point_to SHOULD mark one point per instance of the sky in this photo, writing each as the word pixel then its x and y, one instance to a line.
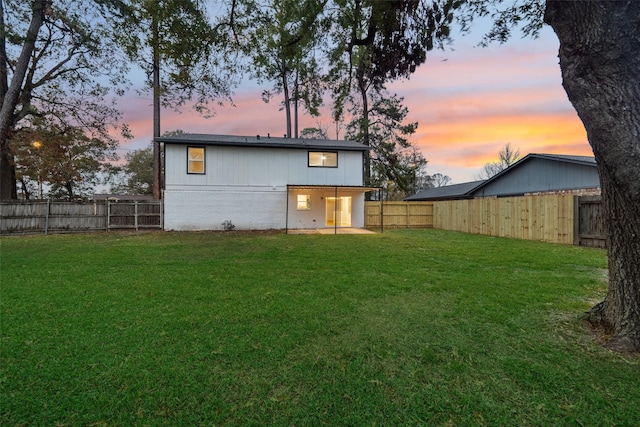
pixel 468 101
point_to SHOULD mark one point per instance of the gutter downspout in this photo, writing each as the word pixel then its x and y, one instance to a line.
pixel 335 212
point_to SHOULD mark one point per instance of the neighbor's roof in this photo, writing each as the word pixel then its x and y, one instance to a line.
pixel 448 192
pixel 262 141
pixel 467 189
pixel 581 160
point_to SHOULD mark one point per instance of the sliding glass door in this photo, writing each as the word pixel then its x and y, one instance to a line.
pixel 338 211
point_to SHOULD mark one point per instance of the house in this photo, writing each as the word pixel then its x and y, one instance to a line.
pixel 446 192
pixel 212 182
pixel 533 174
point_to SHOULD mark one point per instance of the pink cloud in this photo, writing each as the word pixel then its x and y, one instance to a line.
pixel 469 103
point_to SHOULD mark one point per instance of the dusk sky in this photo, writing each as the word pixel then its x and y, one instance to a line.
pixel 469 102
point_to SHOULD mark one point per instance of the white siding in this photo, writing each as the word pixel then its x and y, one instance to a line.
pixel 248 186
pixel 246 166
pixel 207 209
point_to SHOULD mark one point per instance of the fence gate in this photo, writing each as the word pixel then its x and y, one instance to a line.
pixel 135 215
pixel 590 224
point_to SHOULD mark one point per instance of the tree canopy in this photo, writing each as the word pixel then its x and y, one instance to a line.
pixel 59 68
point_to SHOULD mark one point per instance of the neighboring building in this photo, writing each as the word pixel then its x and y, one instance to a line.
pixel 533 174
pixel 446 192
pixel 259 183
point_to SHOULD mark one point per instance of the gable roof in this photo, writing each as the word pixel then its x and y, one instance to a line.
pixel 448 192
pixel 563 158
pixel 583 160
pixel 262 142
pixel 472 189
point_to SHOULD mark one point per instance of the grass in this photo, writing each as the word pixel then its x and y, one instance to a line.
pixel 401 328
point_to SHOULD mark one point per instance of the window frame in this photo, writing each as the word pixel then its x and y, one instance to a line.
pixel 204 160
pixel 307 201
pixel 322 153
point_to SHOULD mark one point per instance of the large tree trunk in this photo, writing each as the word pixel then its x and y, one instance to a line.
pixel 10 100
pixel 600 63
pixel 364 128
pixel 4 76
pixel 287 98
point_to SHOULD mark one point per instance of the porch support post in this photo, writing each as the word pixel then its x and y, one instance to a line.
pixel 335 212
pixel 286 218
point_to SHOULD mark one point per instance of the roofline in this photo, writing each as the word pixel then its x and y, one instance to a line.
pixel 563 158
pixel 469 193
pixel 438 198
pixel 269 142
pixel 527 158
pixel 454 196
pixel 364 188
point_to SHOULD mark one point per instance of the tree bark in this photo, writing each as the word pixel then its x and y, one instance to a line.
pixel 600 63
pixel 11 98
pixel 157 170
pixel 4 76
pixel 364 126
pixel 287 98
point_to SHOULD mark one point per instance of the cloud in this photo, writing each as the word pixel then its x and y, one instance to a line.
pixel 469 103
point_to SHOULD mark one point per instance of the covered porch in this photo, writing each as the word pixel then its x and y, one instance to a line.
pixel 330 208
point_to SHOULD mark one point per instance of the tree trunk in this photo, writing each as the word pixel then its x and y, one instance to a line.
pixel 69 187
pixel 10 100
pixel 600 63
pixel 157 186
pixel 287 99
pixel 4 76
pixel 362 86
pixel 296 103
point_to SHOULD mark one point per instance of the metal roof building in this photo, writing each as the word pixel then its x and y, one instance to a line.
pixel 534 173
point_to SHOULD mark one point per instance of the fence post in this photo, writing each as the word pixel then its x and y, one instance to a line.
pixel 135 214
pixel 576 220
pixel 406 206
pixel 381 216
pixel 108 213
pixel 46 220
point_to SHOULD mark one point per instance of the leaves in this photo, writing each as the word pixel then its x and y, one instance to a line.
pixel 188 47
pixel 66 158
pixel 395 163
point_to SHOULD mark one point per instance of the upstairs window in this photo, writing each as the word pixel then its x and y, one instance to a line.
pixel 323 159
pixel 195 160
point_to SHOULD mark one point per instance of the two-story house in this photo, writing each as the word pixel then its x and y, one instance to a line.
pixel 260 183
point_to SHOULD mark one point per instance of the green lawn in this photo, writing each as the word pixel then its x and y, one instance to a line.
pixel 401 328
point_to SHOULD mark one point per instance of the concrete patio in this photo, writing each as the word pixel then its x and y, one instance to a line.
pixel 339 230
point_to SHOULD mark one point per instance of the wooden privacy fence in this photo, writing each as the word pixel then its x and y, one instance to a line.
pixel 546 218
pixel 558 218
pixel 591 227
pixel 48 216
pixel 398 215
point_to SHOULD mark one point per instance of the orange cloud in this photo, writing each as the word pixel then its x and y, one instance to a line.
pixel 469 103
